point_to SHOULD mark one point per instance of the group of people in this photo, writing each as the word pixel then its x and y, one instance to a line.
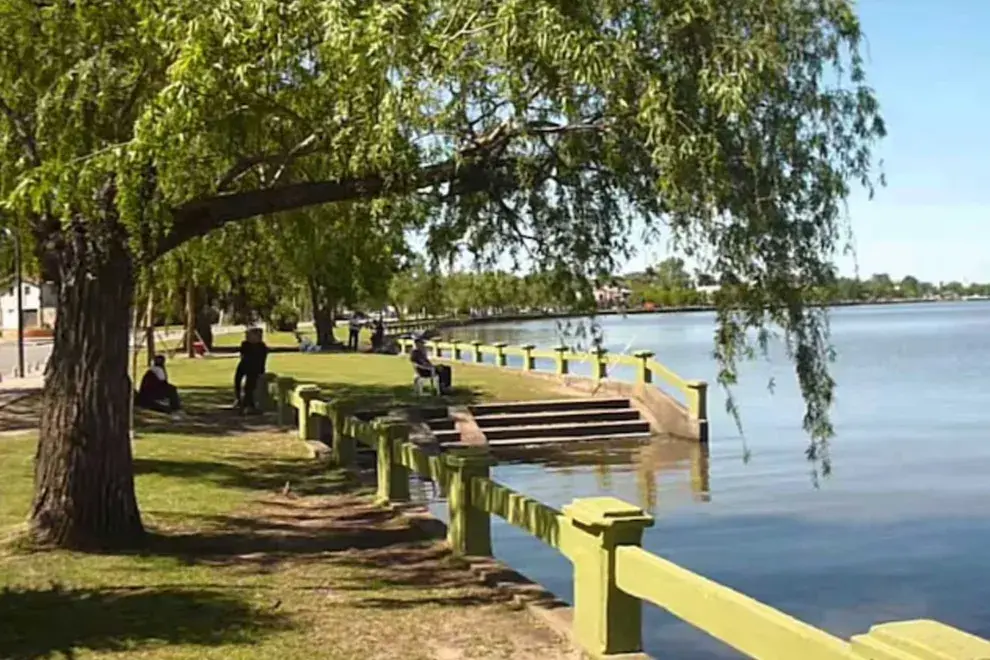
pixel 357 321
pixel 157 393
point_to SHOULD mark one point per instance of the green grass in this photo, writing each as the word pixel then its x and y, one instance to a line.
pixel 375 380
pixel 255 551
pixel 289 339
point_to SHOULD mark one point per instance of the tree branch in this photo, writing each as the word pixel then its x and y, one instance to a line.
pixel 479 167
pixel 30 146
pixel 245 165
pixel 202 216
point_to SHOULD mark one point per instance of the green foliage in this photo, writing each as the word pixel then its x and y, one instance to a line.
pixel 533 129
pixel 345 254
pixel 285 317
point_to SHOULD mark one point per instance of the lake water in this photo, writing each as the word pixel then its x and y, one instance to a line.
pixel 900 530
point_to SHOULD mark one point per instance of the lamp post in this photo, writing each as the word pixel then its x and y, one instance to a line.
pixel 19 283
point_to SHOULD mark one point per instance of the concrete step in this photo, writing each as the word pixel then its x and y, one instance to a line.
pixel 565 430
pixel 445 424
pixel 447 435
pixel 558 417
pixel 558 405
pixel 543 440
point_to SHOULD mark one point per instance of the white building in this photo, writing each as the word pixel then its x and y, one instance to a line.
pixel 607 296
pixel 39 305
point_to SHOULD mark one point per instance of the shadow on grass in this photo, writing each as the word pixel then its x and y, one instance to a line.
pixel 21 413
pixel 297 537
pixel 304 476
pixel 208 410
pixel 43 623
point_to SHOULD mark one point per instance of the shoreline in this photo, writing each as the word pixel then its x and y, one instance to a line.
pixel 685 309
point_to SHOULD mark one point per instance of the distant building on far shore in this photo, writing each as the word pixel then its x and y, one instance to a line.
pixel 612 295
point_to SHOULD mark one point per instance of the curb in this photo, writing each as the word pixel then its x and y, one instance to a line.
pixel 17 399
pixel 32 369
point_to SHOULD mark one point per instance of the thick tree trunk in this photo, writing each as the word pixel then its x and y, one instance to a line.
pixel 204 316
pixel 323 318
pixel 149 325
pixel 84 479
pixel 190 319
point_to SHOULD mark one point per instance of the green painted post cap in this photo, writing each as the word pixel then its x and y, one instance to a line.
pixel 606 512
pixel 528 347
pixel 696 384
pixel 500 344
pixel 477 342
pixel 644 355
pixel 308 390
pixel 561 349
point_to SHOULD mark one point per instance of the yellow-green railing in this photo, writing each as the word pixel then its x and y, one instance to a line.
pixel 394 328
pixel 601 536
pixel 648 369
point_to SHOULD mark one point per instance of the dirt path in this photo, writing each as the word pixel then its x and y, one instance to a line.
pixel 365 582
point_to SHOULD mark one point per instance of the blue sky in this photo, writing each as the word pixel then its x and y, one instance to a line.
pixel 930 64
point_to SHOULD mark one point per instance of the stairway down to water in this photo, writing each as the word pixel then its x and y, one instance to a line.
pixel 540 422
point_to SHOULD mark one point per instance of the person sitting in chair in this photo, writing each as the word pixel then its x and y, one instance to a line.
pixel 426 369
pixel 155 392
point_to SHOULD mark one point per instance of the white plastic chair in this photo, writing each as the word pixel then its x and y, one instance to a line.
pixel 420 381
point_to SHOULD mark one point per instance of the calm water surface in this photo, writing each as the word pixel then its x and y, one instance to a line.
pixel 900 530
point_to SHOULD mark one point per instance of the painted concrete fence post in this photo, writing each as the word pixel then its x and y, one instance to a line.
pixel 562 366
pixel 393 478
pixel 479 357
pixel 529 364
pixel 698 398
pixel 344 444
pixel 645 375
pixel 500 359
pixel 599 366
pixel 285 385
pixel 469 530
pixel 309 424
pixel 607 621
pixel 456 344
pixel 263 394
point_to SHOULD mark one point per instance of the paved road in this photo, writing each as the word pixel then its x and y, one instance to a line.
pixel 37 353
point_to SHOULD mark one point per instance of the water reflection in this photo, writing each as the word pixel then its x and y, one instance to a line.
pixel 651 462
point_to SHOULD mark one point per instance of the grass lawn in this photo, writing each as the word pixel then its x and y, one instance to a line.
pixel 255 551
pixel 375 380
pixel 289 339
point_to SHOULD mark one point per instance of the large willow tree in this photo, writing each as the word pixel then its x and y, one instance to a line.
pixel 129 128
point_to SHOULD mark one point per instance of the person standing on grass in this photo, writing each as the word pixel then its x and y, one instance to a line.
pixel 250 368
pixel 355 331
pixel 378 335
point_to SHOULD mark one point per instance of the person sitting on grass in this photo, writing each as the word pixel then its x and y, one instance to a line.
pixel 250 368
pixel 155 392
pixel 426 369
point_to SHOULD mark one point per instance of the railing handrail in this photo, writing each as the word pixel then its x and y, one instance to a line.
pixel 601 536
pixel 694 391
